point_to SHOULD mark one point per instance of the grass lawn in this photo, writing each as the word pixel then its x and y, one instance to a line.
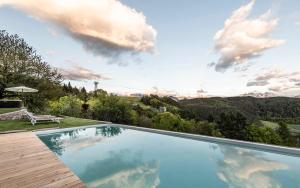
pixel 6 110
pixel 26 125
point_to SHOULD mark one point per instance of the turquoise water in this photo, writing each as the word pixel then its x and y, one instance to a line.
pixel 110 157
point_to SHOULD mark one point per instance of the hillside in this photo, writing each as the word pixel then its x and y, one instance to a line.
pixel 253 108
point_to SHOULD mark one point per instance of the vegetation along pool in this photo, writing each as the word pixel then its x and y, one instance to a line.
pixel 109 156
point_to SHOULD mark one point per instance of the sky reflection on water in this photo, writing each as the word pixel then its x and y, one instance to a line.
pixel 111 157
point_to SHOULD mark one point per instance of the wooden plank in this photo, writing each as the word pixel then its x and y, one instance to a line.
pixel 26 162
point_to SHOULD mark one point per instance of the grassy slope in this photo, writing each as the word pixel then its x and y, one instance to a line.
pixel 135 100
pixel 26 125
pixel 295 129
pixel 6 110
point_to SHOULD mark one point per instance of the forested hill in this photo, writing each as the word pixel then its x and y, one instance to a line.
pixel 253 108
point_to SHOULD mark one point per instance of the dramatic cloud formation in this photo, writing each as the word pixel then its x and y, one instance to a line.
pixel 245 168
pixel 243 38
pixel 107 27
pixel 277 80
pixel 79 73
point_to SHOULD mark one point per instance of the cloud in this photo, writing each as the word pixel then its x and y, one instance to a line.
pixel 258 83
pixel 161 92
pixel 79 73
pixel 201 91
pixel 122 169
pixel 277 80
pixel 107 27
pixel 243 38
pixel 259 94
pixel 245 168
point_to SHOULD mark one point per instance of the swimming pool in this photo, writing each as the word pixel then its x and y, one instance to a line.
pixel 110 156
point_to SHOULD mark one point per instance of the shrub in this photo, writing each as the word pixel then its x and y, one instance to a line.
pixel 67 105
pixel 167 121
pixel 145 121
pixel 112 108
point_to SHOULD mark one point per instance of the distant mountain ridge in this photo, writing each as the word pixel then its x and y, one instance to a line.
pixel 251 107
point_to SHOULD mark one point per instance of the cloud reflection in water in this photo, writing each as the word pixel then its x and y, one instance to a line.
pixel 242 168
pixel 122 169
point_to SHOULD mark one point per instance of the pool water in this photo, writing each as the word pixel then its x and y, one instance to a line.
pixel 113 157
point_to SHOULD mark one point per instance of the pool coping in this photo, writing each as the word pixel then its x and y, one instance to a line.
pixel 244 144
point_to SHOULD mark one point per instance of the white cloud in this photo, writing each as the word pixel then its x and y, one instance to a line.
pixel 107 27
pixel 277 80
pixel 79 73
pixel 144 175
pixel 244 38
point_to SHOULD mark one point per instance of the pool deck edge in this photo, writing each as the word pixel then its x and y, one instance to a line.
pixel 25 161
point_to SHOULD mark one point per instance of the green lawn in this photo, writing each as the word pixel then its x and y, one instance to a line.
pixel 26 125
pixel 6 110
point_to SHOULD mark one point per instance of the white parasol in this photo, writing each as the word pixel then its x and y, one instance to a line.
pixel 21 89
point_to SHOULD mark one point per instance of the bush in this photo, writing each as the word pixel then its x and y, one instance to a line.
pixel 167 121
pixel 112 108
pixel 67 105
pixel 206 128
pixel 263 134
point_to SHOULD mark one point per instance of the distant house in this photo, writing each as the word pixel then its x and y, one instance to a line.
pixel 162 109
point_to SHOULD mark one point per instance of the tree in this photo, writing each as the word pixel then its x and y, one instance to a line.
pixel 111 108
pixel 263 134
pixel 167 121
pixel 233 125
pixel 284 132
pixel 210 118
pixel 21 65
pixel 67 105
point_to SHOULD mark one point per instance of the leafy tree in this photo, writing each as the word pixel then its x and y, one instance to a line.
pixel 83 94
pixel 21 65
pixel 284 133
pixel 111 108
pixel 233 125
pixel 67 105
pixel 167 121
pixel 263 134
pixel 210 118
pixel 206 128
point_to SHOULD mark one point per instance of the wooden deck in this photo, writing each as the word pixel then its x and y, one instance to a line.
pixel 26 162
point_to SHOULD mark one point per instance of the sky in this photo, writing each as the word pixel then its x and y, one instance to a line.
pixel 185 48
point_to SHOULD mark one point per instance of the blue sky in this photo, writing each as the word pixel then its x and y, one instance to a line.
pixel 183 34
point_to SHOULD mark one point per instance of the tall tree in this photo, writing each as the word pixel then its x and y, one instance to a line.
pixel 21 65
pixel 233 125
